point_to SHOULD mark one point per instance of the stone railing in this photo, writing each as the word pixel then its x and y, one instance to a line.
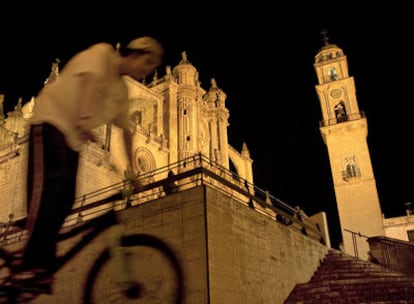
pixel 395 255
pixel 186 174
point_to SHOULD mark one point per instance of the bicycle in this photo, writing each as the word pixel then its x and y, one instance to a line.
pixel 115 276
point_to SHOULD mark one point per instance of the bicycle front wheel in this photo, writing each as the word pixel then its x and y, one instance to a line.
pixel 156 274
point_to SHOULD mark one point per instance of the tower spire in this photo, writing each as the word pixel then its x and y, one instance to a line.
pixel 54 72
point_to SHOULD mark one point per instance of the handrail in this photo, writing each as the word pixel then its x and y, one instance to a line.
pixel 354 242
pixel 191 172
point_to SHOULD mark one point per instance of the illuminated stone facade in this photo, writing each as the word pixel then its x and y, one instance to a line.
pixel 175 118
pixel 344 130
pixel 400 228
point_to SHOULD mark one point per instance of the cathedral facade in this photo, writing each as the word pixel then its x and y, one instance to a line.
pixel 174 118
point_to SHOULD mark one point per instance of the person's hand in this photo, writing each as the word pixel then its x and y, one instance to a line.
pixel 87 135
pixel 84 133
pixel 133 180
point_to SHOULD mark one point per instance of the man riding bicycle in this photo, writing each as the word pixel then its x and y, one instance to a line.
pixel 89 92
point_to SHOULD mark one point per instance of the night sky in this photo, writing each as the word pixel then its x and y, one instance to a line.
pixel 262 56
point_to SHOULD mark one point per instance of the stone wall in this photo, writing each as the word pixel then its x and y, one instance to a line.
pixel 393 254
pixel 398 227
pixel 13 179
pixel 230 253
pixel 253 258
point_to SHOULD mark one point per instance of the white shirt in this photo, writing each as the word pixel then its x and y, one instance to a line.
pixel 59 103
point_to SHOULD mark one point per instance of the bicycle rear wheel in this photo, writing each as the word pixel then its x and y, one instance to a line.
pixel 157 276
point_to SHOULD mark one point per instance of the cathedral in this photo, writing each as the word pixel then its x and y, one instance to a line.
pixel 176 118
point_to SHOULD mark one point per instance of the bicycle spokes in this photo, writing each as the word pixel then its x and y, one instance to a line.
pixel 155 275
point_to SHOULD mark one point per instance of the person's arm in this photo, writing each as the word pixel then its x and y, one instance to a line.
pixel 128 147
pixel 90 68
pixel 129 173
pixel 88 87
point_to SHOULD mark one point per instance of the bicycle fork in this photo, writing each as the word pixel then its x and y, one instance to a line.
pixel 122 273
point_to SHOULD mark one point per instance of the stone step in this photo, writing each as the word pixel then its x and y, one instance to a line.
pixel 360 283
pixel 343 279
pixel 401 296
pixel 343 275
pixel 339 298
pixel 367 293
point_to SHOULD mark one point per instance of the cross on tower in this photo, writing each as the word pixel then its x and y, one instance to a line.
pixel 325 36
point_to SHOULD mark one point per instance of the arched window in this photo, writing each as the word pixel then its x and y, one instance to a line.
pixel 332 75
pixel 351 168
pixel 340 111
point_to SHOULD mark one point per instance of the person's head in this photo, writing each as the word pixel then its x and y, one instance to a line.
pixel 141 57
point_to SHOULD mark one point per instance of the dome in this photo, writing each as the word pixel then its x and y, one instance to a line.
pixel 328 51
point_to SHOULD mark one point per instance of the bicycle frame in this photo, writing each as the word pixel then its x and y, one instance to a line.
pixel 91 229
pixel 118 259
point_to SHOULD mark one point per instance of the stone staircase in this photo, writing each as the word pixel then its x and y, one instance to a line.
pixel 343 279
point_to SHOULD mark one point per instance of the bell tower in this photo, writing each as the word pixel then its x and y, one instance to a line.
pixel 344 130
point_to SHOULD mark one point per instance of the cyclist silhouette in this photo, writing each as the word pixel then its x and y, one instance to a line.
pixel 89 92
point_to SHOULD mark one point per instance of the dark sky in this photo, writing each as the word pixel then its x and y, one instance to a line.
pixel 261 55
